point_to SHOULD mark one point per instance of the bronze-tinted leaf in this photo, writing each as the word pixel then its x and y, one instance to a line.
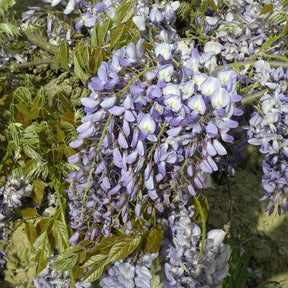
pixel 266 9
pixel 38 193
pixel 30 230
pixel 28 212
pixel 154 240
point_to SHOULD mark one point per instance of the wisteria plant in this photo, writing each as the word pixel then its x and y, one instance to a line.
pixel 166 90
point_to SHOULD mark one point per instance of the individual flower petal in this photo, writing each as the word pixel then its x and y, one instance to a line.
pixel 122 140
pixel 116 110
pixel 76 143
pixel 131 158
pixel 197 103
pixel 220 98
pixel 219 147
pixel 146 123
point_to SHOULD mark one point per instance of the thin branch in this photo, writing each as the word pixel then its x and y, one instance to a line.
pixel 25 65
pixel 40 42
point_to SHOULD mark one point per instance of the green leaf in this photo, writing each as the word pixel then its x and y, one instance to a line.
pixel 21 107
pixel 116 35
pixel 124 11
pixel 68 259
pixel 94 37
pixel 78 70
pixel 23 95
pixel 65 262
pixel 94 260
pixel 129 14
pixel 106 243
pixel 156 281
pixel 102 32
pixel 9 29
pixel 95 273
pixel 43 251
pixel 33 113
pixel 60 134
pixel 266 9
pixel 59 234
pixel 124 248
pixel 68 151
pixel 31 153
pixel 30 230
pixel 64 55
pixel 153 241
pixel 56 62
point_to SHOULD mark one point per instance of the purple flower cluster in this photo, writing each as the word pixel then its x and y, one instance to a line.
pixel 14 191
pixel 57 30
pixel 242 30
pixel 268 130
pixel 126 274
pixel 148 17
pixel 148 138
pixel 184 267
pixel 12 194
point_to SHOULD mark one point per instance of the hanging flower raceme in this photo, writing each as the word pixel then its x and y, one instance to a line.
pixel 142 128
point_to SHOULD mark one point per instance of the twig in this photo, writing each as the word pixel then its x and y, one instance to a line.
pixel 40 42
pixel 20 66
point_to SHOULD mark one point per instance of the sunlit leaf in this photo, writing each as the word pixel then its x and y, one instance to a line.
pixel 21 107
pixel 95 273
pixel 124 11
pixel 43 251
pixel 33 113
pixel 94 260
pixel 124 248
pixel 68 259
pixel 106 243
pixel 59 234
